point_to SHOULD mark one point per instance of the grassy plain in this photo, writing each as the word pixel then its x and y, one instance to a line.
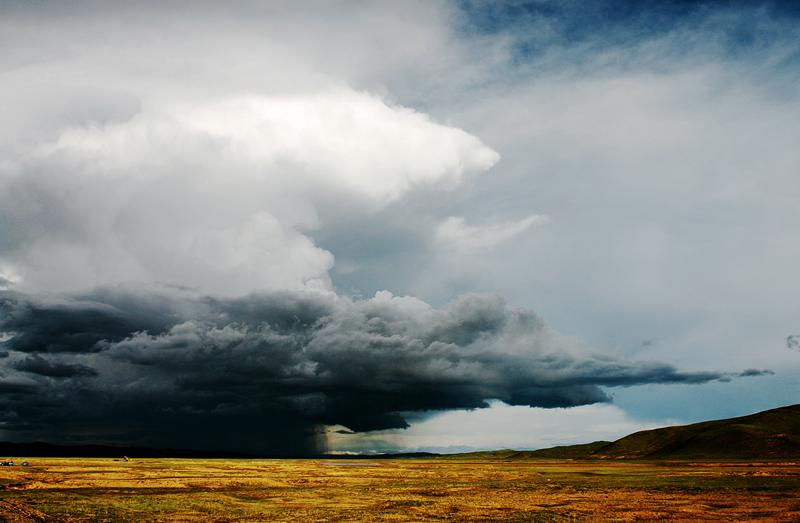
pixel 440 489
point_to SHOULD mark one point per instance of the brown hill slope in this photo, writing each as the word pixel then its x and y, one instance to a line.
pixel 562 452
pixel 772 434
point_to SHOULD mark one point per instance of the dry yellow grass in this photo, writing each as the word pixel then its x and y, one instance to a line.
pixel 163 490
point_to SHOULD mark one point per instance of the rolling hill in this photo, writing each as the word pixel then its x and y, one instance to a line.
pixel 769 435
pixel 772 434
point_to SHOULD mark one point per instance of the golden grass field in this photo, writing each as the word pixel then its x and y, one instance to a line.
pixel 441 489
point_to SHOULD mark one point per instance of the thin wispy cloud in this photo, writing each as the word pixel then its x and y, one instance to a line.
pixel 455 234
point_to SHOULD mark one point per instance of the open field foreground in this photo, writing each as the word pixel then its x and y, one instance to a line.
pixel 442 489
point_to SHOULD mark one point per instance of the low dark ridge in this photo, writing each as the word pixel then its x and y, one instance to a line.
pixel 773 435
pixel 47 450
pixel 394 455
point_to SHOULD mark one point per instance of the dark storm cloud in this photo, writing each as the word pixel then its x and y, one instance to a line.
pixel 11 387
pixel 755 372
pixel 166 366
pixel 36 364
pixel 52 324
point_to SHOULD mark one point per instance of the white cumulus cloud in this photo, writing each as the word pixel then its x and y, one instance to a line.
pixel 220 194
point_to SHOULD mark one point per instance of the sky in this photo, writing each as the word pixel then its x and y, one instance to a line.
pixel 375 226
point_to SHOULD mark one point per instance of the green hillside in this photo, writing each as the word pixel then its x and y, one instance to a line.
pixel 772 434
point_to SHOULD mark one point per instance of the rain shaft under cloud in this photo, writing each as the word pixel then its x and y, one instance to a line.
pixel 164 366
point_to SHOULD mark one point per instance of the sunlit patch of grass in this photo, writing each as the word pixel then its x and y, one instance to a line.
pixel 241 491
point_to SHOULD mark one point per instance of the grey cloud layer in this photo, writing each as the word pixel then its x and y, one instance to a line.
pixel 284 362
pixel 145 142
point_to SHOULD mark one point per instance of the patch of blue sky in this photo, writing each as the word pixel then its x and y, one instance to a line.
pixel 620 34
